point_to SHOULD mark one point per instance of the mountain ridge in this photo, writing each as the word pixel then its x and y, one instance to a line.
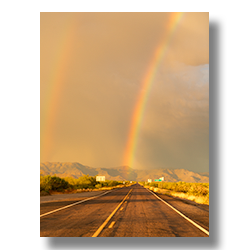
pixel 76 169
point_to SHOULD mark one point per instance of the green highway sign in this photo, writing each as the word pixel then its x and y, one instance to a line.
pixel 158 180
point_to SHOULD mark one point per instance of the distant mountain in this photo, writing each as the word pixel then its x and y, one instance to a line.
pixel 75 170
pixel 205 174
pixel 64 169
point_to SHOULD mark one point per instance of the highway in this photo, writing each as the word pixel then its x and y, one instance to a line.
pixel 127 212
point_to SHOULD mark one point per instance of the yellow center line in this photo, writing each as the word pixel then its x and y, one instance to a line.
pixel 111 215
pixel 111 224
pixel 121 208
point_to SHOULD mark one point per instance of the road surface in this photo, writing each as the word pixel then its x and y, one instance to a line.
pixel 127 212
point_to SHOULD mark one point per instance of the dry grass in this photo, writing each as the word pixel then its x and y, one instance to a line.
pixel 190 192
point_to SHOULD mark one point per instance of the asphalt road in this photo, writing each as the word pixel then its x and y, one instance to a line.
pixel 127 212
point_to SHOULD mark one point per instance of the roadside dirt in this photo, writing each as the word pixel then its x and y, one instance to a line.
pixel 71 197
pixel 55 201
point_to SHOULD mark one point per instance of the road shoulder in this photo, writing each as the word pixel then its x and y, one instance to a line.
pixel 199 213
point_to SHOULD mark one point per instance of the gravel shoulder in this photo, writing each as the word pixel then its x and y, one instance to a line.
pixel 53 202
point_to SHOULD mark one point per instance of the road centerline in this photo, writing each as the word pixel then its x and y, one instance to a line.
pixel 111 224
pixel 98 231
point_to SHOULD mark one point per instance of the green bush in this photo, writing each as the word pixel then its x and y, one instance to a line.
pixel 48 183
pixel 84 181
pixel 110 183
pixel 153 184
pixel 98 185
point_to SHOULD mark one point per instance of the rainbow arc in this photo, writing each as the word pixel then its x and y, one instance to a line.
pixel 129 155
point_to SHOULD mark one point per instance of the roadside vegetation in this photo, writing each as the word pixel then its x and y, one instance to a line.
pixel 53 184
pixel 198 192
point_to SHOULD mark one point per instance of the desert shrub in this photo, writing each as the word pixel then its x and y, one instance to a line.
pixel 48 183
pixel 196 189
pixel 113 183
pixel 153 184
pixel 45 183
pixel 84 181
pixel 98 185
pixel 55 183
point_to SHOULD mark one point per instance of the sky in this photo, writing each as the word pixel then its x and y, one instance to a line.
pixel 125 89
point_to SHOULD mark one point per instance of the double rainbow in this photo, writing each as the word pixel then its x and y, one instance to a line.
pixel 56 82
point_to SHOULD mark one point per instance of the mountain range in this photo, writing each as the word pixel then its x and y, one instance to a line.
pixel 75 170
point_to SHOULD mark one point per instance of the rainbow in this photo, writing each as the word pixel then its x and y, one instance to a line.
pixel 54 92
pixel 137 116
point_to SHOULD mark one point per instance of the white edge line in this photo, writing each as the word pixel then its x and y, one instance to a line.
pixel 195 224
pixel 73 204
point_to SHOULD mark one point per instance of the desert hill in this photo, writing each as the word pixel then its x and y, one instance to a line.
pixel 75 170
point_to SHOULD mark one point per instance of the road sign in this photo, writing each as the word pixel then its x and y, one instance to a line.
pixel 100 178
